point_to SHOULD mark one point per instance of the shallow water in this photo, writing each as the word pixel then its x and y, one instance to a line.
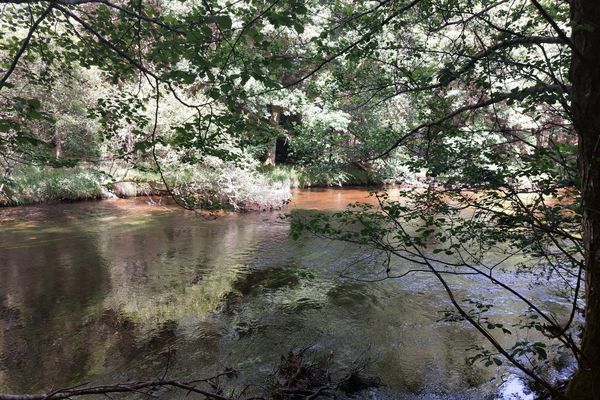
pixel 115 290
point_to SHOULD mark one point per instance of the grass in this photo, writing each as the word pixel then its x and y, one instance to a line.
pixel 227 186
pixel 223 187
pixel 30 185
pixel 217 186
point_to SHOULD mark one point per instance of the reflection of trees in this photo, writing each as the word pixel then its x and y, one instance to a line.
pixel 176 268
pixel 117 297
pixel 47 291
pixel 98 296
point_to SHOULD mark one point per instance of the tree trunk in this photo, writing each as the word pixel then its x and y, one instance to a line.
pixel 585 76
pixel 272 152
pixel 57 144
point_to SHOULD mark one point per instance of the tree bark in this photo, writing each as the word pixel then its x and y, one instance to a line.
pixel 272 152
pixel 585 76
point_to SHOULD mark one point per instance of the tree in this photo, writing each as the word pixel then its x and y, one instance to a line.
pixel 585 75
pixel 475 93
pixel 496 60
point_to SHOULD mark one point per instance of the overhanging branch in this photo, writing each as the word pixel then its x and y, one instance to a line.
pixel 498 98
pixel 24 45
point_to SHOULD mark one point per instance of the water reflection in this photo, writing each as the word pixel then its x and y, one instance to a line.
pixel 112 290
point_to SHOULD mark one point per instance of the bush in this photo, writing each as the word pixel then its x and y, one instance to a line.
pixel 218 184
pixel 318 176
pixel 213 184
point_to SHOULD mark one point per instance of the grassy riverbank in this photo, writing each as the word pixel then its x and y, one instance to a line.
pixel 227 188
pixel 31 185
pixel 215 185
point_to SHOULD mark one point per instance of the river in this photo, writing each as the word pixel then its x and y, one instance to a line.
pixel 115 290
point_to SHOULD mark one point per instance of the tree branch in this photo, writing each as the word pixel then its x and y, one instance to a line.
pixel 137 15
pixel 470 107
pixel 555 26
pixel 24 45
pixel 62 394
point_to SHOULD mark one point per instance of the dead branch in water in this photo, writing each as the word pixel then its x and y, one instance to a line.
pixel 143 387
pixel 296 379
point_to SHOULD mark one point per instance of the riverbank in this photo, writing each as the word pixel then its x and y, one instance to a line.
pixel 35 215
pixel 228 187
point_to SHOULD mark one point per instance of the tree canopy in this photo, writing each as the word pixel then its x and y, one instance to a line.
pixel 489 102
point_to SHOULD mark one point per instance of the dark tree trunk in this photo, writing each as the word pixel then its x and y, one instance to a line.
pixel 272 152
pixel 585 76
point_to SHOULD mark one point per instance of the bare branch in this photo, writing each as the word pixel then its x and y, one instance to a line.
pixel 62 394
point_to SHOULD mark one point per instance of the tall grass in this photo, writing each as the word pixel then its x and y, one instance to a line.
pixel 30 185
pixel 223 186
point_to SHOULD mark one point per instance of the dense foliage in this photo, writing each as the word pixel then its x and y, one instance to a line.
pixel 471 100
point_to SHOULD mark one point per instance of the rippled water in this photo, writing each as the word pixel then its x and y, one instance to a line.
pixel 118 290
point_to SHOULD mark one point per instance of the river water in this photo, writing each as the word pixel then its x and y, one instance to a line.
pixel 115 290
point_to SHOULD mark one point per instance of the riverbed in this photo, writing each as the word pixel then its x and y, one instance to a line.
pixel 116 290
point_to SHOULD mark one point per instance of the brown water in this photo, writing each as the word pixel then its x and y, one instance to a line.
pixel 114 290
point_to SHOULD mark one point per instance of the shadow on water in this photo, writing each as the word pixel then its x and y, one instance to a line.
pixel 118 290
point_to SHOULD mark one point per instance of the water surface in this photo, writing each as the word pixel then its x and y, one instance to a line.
pixel 115 290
